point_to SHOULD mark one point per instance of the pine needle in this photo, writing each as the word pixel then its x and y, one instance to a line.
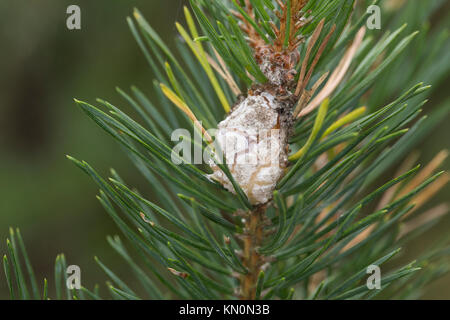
pixel 352 116
pixel 186 110
pixel 315 131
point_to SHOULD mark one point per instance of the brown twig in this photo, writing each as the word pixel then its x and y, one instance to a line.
pixel 307 94
pixel 428 216
pixel 251 259
pixel 222 70
pixel 337 76
pixel 311 44
pixel 318 55
pixel 425 172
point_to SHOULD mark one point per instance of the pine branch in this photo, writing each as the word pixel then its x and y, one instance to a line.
pixel 310 227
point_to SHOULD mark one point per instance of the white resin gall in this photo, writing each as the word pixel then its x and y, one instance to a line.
pixel 254 146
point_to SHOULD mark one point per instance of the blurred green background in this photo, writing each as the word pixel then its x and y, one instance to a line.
pixel 43 66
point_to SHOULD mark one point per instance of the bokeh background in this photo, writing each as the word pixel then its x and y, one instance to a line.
pixel 43 66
